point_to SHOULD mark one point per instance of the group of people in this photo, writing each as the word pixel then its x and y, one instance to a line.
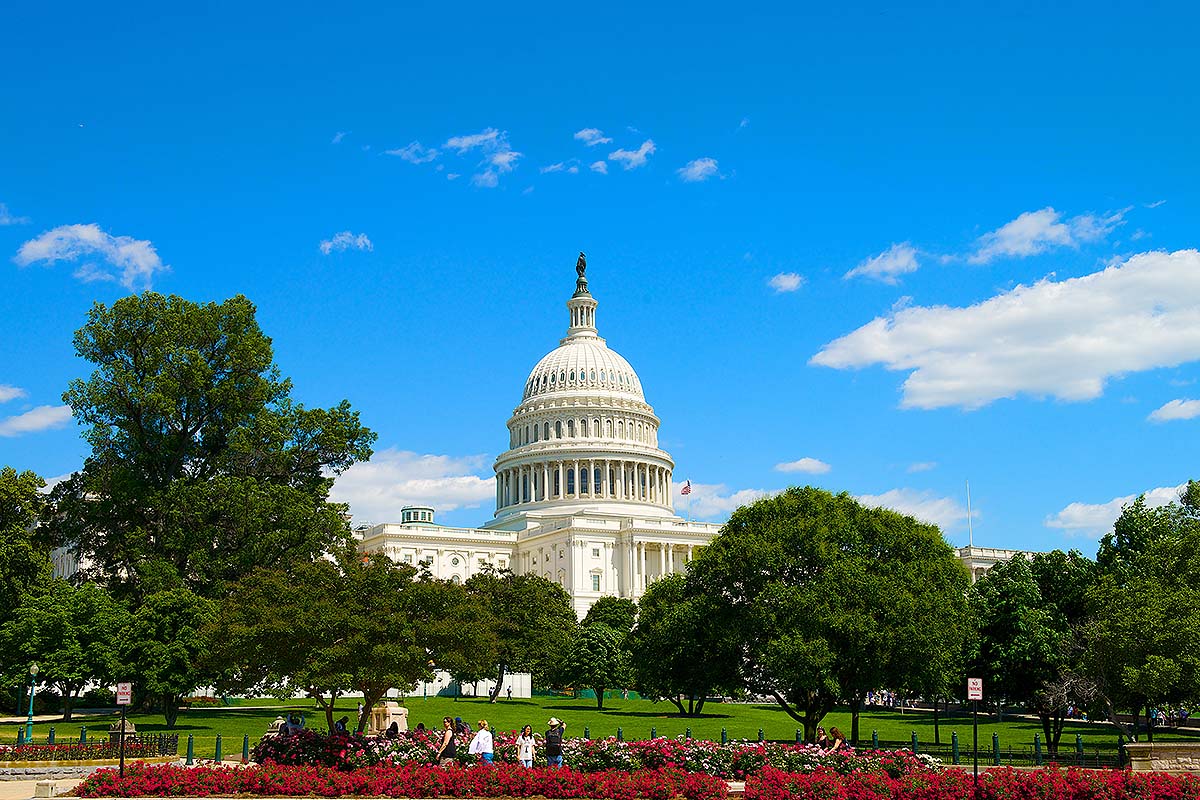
pixel 483 745
pixel 831 742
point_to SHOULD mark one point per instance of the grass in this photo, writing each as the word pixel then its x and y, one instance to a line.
pixel 635 718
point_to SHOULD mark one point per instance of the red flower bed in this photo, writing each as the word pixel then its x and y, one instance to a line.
pixel 402 780
pixel 995 784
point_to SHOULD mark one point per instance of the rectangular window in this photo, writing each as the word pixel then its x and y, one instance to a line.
pixel 408 559
pixel 595 583
pixel 595 552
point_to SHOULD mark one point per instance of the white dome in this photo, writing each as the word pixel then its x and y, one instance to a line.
pixel 583 365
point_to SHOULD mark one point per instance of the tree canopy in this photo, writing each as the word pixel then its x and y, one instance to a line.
pixel 23 562
pixel 202 467
pixel 597 660
pixel 832 599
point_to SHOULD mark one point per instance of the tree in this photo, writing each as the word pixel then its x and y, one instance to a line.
pixel 332 626
pixel 532 621
pixel 618 613
pixel 682 650
pixel 1144 633
pixel 202 467
pixel 162 644
pixel 23 562
pixel 831 599
pixel 72 634
pixel 596 659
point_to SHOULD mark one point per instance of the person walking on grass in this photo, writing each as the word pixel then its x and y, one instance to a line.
pixel 554 739
pixel 481 745
pixel 526 746
pixel 447 749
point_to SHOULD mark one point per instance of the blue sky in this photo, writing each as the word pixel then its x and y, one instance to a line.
pixel 895 249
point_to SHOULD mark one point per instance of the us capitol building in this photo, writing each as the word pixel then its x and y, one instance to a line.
pixel 583 494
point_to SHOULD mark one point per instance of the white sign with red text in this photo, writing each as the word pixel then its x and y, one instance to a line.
pixel 974 688
pixel 124 694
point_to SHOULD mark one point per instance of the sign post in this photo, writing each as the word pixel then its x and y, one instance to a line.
pixel 975 694
pixel 124 698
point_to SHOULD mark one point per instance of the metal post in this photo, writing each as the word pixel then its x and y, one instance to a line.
pixel 587 732
pixel 191 751
pixel 122 745
pixel 620 734
pixel 798 736
pixel 761 738
pixel 687 733
pixel 975 729
pixel 1037 750
pixel 33 673
pixel 1079 749
pixel 653 732
pixel 83 734
pixel 875 740
pixel 50 738
pixel 20 736
pixel 996 749
pixel 915 748
pixel 246 748
pixel 954 746
pixel 724 736
pixel 218 758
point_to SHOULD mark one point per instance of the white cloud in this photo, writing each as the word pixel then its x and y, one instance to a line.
pixel 346 241
pixel 786 281
pixel 11 392
pixel 452 176
pixel 559 167
pixel 632 159
pixel 696 170
pixel 807 465
pixel 40 418
pixel 1093 520
pixel 378 489
pixel 921 466
pixel 488 139
pixel 945 512
pixel 7 218
pixel 897 260
pixel 745 123
pixel 504 160
pixel 1058 338
pixel 714 500
pixel 1155 204
pixel 414 153
pixel 599 166
pixel 135 259
pixel 337 137
pixel 1176 409
pixel 486 179
pixel 592 137
pixel 1035 232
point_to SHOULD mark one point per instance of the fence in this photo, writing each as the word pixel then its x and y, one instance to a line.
pixel 91 746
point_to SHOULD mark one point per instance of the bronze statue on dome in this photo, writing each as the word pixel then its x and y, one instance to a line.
pixel 581 265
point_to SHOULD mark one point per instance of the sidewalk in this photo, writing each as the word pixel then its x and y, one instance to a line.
pixel 23 790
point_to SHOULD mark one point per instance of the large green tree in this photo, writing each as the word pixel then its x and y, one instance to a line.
pixel 532 621
pixel 24 563
pixel 618 613
pixel 597 659
pixel 162 644
pixel 1144 635
pixel 683 649
pixel 71 632
pixel 832 599
pixel 357 623
pixel 202 467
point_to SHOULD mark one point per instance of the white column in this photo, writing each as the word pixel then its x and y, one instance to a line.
pixel 591 468
pixel 562 481
pixel 575 472
pixel 545 480
pixel 670 558
pixel 621 477
pixel 642 575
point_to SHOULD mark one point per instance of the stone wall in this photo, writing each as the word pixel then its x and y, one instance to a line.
pixel 1164 756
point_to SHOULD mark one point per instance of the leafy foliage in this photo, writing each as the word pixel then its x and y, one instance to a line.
pixel 23 562
pixel 597 660
pixel 618 613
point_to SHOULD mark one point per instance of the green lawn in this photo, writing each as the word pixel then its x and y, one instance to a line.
pixel 634 717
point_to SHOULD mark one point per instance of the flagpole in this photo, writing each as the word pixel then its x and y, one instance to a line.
pixel 970 529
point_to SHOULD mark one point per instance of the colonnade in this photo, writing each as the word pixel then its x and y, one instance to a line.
pixel 665 555
pixel 613 479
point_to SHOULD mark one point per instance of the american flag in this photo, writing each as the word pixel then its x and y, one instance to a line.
pixel 687 488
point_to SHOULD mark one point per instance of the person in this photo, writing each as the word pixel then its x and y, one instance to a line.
pixel 460 726
pixel 341 725
pixel 393 731
pixel 553 739
pixel 481 745
pixel 510 691
pixel 421 727
pixel 526 746
pixel 839 740
pixel 447 749
pixel 822 740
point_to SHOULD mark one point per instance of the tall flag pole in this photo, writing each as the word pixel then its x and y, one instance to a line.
pixel 687 490
pixel 970 530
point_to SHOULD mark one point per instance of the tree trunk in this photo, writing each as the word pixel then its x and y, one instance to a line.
pixel 599 690
pixel 499 683
pixel 700 705
pixel 68 692
pixel 679 704
pixel 369 701
pixel 937 728
pixel 170 708
pixel 1149 725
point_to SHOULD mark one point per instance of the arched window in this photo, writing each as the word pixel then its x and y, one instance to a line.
pixel 545 430
pixel 592 375
pixel 602 378
pixel 584 483
pixel 557 485
pixel 608 427
pixel 620 429
pixel 570 478
pixel 454 578
pixel 558 430
pixel 571 428
pixel 526 435
pixel 572 376
pixel 583 428
pixel 553 378
pixel 535 432
pixel 562 376
pixel 596 479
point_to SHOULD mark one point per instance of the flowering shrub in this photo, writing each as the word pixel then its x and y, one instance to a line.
pixel 995 784
pixel 735 759
pixel 406 780
pixel 75 751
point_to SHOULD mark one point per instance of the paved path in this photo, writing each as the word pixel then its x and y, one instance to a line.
pixel 23 790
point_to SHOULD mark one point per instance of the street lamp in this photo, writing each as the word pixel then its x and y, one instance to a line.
pixel 33 673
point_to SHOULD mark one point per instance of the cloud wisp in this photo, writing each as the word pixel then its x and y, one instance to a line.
pixel 888 266
pixel 39 418
pixel 698 170
pixel 1062 339
pixel 8 218
pixel 134 263
pixel 345 240
pixel 714 500
pixel 807 465
pixel 11 393
pixel 1093 520
pixel 786 282
pixel 376 490
pixel 1035 232
pixel 592 137
pixel 945 512
pixel 1174 410
pixel 414 153
pixel 632 159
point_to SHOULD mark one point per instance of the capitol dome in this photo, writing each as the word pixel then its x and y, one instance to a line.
pixel 583 437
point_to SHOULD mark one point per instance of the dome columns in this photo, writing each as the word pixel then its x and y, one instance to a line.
pixel 579 479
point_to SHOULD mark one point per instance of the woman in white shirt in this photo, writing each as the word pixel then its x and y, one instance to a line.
pixel 526 746
pixel 481 745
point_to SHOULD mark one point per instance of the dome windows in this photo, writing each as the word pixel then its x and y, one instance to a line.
pixel 572 376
